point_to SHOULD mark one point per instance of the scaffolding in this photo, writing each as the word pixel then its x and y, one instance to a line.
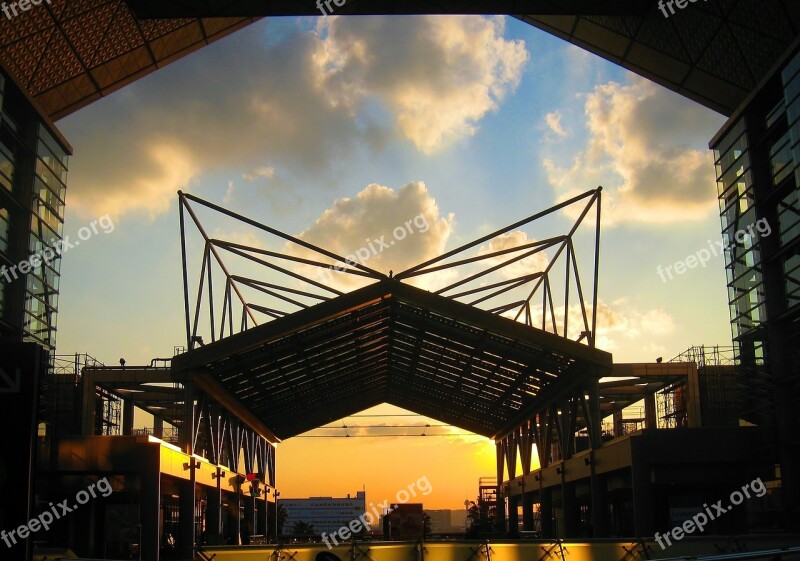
pixel 61 389
pixel 719 392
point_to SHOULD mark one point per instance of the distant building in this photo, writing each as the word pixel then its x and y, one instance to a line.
pixel 440 520
pixel 326 514
pixel 405 522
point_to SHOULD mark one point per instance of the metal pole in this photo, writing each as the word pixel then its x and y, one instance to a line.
pixel 596 266
pixel 185 274
pixel 277 494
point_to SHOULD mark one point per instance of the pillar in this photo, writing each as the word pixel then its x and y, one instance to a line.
pixel 546 513
pixel 650 415
pixel 213 513
pixel 248 526
pixel 150 516
pixel 186 507
pixel 569 511
pixel 158 426
pixel 599 507
pixel 500 510
pixel 642 492
pixel 127 416
pixel 513 516
pixel 617 416
pixel 527 511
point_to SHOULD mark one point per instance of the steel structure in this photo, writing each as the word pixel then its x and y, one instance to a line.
pixel 297 353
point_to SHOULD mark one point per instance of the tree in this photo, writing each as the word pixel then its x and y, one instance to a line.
pixel 283 514
pixel 473 520
pixel 303 529
pixel 426 526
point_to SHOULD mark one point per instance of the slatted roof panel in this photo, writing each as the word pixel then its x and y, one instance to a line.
pixel 68 53
pixel 393 343
pixel 713 52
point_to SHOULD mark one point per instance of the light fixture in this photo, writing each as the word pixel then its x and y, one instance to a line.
pixel 192 464
pixel 219 475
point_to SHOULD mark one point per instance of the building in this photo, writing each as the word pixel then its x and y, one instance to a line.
pixel 33 174
pixel 325 514
pixel 654 468
pixel 404 522
pixel 757 158
pixel 440 520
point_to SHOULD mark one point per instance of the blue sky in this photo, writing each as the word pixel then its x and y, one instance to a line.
pixel 496 118
pixel 339 129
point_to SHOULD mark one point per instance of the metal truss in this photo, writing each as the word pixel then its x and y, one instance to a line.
pixel 280 280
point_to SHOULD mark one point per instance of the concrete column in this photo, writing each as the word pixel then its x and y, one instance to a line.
pixel 642 493
pixel 158 426
pixel 513 516
pixel 500 511
pixel 650 415
pixel 186 505
pixel 127 417
pixel 546 512
pixel 150 515
pixel 569 511
pixel 248 526
pixel 262 507
pixel 88 405
pixel 617 416
pixel 527 511
pixel 599 508
pixel 213 513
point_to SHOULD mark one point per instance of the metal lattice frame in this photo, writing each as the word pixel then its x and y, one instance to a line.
pixel 67 54
pixel 311 354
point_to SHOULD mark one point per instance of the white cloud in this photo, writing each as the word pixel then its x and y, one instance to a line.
pixel 407 221
pixel 642 148
pixel 302 108
pixel 438 76
pixel 229 192
pixel 619 325
pixel 532 264
pixel 553 122
pixel 260 172
pixel 162 170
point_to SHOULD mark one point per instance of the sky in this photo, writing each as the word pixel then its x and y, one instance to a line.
pixel 337 130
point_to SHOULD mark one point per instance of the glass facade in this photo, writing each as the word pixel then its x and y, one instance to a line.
pixel 757 162
pixel 33 173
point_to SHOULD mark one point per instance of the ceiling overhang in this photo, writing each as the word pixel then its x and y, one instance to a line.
pixel 68 54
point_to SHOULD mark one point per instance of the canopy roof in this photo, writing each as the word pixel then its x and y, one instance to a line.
pixel 297 353
pixel 393 343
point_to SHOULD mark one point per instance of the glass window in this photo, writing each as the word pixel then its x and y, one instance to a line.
pixel 5 220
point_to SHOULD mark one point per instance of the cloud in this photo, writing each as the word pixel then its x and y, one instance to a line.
pixel 553 122
pixel 642 148
pixel 263 172
pixel 619 325
pixel 162 169
pixel 532 264
pixel 381 228
pixel 299 110
pixel 438 76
